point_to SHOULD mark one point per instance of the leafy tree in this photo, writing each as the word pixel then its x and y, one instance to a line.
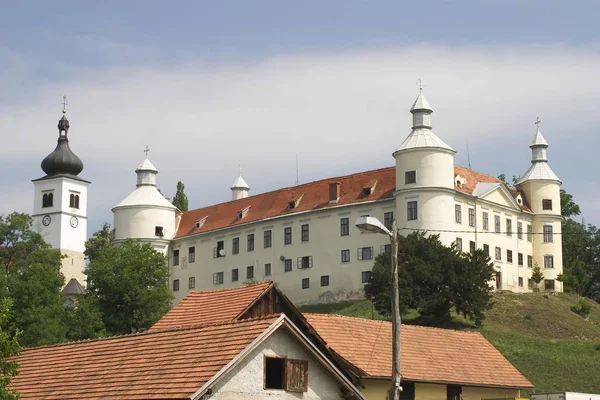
pixel 84 320
pixel 180 200
pixel 129 284
pixel 9 347
pixel 537 276
pixel 434 279
pixel 99 241
pixel 568 207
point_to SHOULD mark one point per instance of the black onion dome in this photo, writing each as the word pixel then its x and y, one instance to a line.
pixel 62 160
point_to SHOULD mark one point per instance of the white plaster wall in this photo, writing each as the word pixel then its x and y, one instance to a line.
pixel 139 222
pixel 245 380
pixel 435 168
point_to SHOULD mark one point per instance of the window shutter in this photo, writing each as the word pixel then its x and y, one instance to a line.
pixel 296 373
pixel 359 254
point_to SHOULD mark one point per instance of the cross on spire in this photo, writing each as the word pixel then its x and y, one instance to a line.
pixel 64 103
pixel 537 122
pixel 147 150
pixel 420 84
pixel 240 169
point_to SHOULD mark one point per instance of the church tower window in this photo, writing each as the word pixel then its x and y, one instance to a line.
pixel 48 199
pixel 74 200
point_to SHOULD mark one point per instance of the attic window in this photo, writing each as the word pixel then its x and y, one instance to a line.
pixel 242 213
pixel 200 223
pixel 459 180
pixel 287 374
pixel 294 203
pixel 370 188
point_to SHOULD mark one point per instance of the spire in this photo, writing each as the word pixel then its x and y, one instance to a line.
pixel 239 188
pixel 146 172
pixel 539 170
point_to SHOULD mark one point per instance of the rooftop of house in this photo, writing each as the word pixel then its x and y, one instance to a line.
pixel 374 185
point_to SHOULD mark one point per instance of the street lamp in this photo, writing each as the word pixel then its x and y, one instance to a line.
pixel 373 225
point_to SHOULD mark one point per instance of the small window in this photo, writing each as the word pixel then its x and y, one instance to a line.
pixel 486 249
pixel 176 285
pixel 520 259
pixel 235 275
pixel 267 269
pixel 344 227
pixel 410 177
pixel 268 239
pixel 365 276
pixel 325 280
pixel 509 256
pixel 175 258
pixel 548 261
pixel 365 253
pixel 74 200
pixel 549 284
pixel 219 251
pixel 192 282
pixel 497 223
pixel 305 262
pixel 529 233
pixel 520 230
pixel 411 211
pixel 472 247
pixel 218 278
pixel 192 254
pixel 305 283
pixel 529 283
pixel 250 246
pixel 47 199
pixel 498 253
pixel 387 249
pixel 508 226
pixel 548 235
pixel 458 213
pixel 235 245
pixel 471 217
pixel 388 219
pixel 158 231
pixel 453 392
pixel 305 232
pixel 485 220
pixel 529 261
pixel 287 235
pixel 458 243
pixel 346 256
pixel 547 204
pixel 287 266
pixel 274 373
pixel 520 282
pixel 250 272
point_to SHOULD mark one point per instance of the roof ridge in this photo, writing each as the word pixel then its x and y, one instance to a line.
pixel 229 289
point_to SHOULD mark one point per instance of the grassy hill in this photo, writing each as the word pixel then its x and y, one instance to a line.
pixel 553 347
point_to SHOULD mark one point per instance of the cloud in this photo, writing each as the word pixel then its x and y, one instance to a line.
pixel 340 113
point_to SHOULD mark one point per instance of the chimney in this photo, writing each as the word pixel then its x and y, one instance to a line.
pixel 334 192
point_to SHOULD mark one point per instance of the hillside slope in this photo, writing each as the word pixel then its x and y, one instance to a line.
pixel 554 348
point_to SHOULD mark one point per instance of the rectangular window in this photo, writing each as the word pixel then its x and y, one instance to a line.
pixel 250 272
pixel 529 233
pixel 549 284
pixel 520 259
pixel 365 276
pixel 158 231
pixel 509 256
pixel 267 269
pixel 486 222
pixel 305 232
pixel 520 282
pixel 458 213
pixel 458 244
pixel 192 254
pixel 250 242
pixel 235 275
pixel 498 253
pixel 305 262
pixel 548 261
pixel 287 265
pixel 175 257
pixel 472 247
pixel 388 219
pixel 387 248
pixel 235 245
pixel 520 230
pixel 509 226
pixel 365 253
pixel 497 223
pixel 268 239
pixel 530 283
pixel 218 278
pixel 548 236
pixel 305 283
pixel 346 256
pixel 287 235
pixel 176 285
pixel 219 251
pixel 274 374
pixel 410 177
pixel 547 204
pixel 192 282
pixel 411 210
pixel 529 261
pixel 471 217
pixel 486 249
pixel 47 199
pixel 344 226
pixel 325 280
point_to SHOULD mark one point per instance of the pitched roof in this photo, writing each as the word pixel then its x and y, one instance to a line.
pixel 171 364
pixel 212 306
pixel 428 354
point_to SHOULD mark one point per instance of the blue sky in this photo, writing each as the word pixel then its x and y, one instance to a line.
pixel 212 85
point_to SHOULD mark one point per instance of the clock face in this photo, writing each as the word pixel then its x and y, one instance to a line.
pixel 46 220
pixel 74 222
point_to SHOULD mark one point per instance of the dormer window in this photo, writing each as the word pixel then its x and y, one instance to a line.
pixel 459 181
pixel 370 188
pixel 294 203
pixel 242 213
pixel 198 224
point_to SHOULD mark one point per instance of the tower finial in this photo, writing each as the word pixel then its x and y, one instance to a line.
pixel 240 169
pixel 537 122
pixel 147 150
pixel 420 84
pixel 64 103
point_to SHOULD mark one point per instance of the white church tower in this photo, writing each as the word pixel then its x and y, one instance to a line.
pixel 60 205
pixel 145 213
pixel 541 187
pixel 424 176
pixel 239 189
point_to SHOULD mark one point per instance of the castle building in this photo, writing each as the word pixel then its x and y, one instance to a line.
pixel 60 207
pixel 303 237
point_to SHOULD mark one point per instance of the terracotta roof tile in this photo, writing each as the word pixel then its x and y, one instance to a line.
pixel 313 196
pixel 170 364
pixel 428 354
pixel 211 306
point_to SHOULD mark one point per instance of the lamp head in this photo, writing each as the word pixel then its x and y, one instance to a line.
pixel 371 225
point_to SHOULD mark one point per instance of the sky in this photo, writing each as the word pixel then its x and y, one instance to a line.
pixel 212 86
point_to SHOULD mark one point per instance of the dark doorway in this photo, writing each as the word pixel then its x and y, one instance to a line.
pixel 274 373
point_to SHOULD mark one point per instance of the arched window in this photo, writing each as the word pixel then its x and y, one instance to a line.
pixel 74 200
pixel 47 200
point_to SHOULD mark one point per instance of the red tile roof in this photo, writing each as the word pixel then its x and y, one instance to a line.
pixel 311 196
pixel 169 364
pixel 212 306
pixel 428 354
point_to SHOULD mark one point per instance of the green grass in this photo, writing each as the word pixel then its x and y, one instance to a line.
pixel 554 348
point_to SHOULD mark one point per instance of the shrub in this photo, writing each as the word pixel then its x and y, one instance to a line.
pixel 582 307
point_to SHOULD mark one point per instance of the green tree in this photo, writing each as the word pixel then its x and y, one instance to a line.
pixel 568 207
pixel 83 320
pixel 537 276
pixel 129 283
pixel 180 200
pixel 434 279
pixel 9 347
pixel 99 241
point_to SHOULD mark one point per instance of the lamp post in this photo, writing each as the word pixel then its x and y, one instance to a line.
pixel 373 225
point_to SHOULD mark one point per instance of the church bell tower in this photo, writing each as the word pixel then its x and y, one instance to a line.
pixel 60 205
